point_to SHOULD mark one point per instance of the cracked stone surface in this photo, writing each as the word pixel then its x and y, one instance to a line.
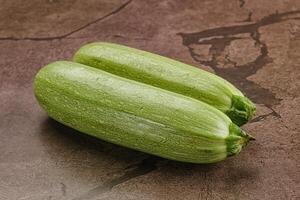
pixel 253 44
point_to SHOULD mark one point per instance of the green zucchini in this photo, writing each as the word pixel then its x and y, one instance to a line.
pixel 136 115
pixel 168 74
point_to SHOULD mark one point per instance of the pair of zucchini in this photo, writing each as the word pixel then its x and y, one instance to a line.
pixel 146 102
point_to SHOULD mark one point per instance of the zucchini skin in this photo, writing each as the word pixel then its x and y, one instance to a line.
pixel 168 74
pixel 136 115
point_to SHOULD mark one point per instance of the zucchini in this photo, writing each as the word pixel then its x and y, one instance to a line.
pixel 136 115
pixel 168 74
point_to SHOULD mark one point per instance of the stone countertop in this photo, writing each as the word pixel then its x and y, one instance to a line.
pixel 254 44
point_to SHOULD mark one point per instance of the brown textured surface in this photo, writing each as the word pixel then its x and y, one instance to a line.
pixel 254 44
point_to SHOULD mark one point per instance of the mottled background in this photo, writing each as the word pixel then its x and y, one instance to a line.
pixel 255 44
